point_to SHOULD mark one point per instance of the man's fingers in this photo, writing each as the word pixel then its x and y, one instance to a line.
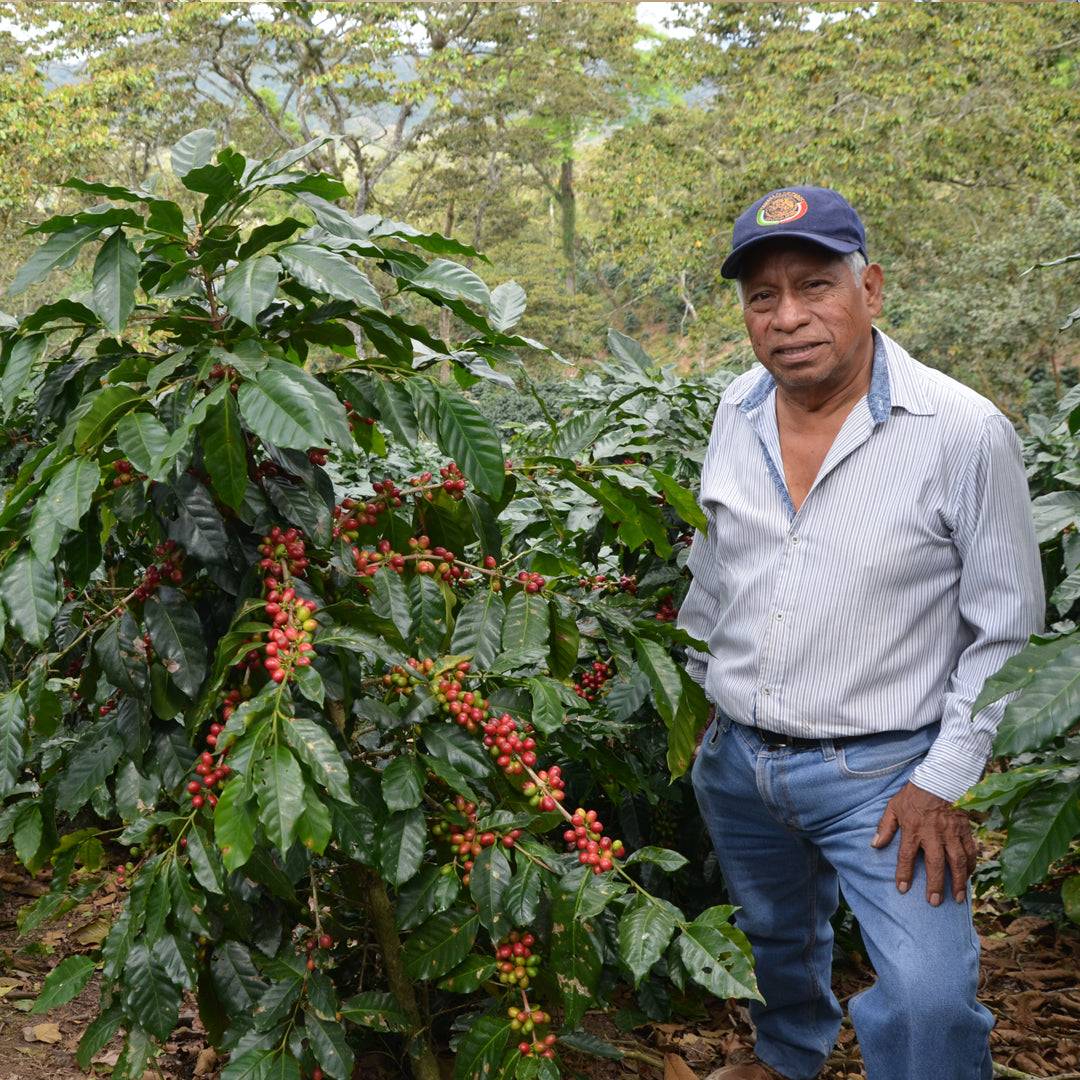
pixel 935 875
pixel 905 864
pixel 886 829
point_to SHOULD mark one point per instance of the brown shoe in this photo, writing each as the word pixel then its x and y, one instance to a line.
pixel 750 1071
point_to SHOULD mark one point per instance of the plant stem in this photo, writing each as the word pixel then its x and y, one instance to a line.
pixel 379 908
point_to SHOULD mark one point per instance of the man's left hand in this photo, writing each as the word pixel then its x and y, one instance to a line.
pixel 940 830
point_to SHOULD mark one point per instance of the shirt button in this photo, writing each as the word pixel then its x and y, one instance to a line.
pixel 766 690
pixel 779 616
pixel 794 539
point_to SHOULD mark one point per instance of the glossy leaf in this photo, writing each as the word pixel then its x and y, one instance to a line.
pixel 275 405
pixel 525 629
pixel 401 843
pixel 64 982
pixel 375 1010
pixel 327 1039
pixel 20 356
pixel 313 746
pixel 279 788
pixel 57 253
pixel 1040 831
pixel 576 952
pixel 396 410
pixel 522 896
pixel 193 151
pixel 115 278
pixel 98 750
pixel 507 305
pixel 13 730
pixel 481 1048
pixel 61 507
pixel 177 635
pixel 103 413
pixel 390 600
pixel 469 438
pixel 225 451
pixel 1049 706
pixel 329 274
pixel 645 930
pixel 452 280
pixel 249 288
pixel 707 953
pixel 478 628
pixel 440 944
pixel 488 881
pixel 431 891
pixel 428 603
pixel 403 783
pixel 469 975
pixel 145 441
pixel 148 992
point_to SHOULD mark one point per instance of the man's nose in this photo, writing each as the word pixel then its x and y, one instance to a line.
pixel 790 312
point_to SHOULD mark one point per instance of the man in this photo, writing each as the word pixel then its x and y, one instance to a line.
pixel 870 560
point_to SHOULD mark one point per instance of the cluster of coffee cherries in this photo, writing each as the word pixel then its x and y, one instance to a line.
pixel 666 610
pixel 211 770
pixel 293 621
pixel 401 679
pixel 586 837
pixel 592 682
pixel 370 563
pixel 125 473
pixel 512 753
pixel 316 941
pixel 283 551
pixel 170 570
pixel 464 842
pixel 354 417
pixel 531 582
pixel 453 483
pixel 517 963
pixel 547 790
pixel 220 371
pixel 466 707
pixel 594 583
pixel 446 567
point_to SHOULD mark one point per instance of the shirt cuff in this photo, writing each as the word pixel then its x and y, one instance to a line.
pixel 697 666
pixel 951 769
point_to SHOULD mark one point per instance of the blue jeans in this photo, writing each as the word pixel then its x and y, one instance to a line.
pixel 792 827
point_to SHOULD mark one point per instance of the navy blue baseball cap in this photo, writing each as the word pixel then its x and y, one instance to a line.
pixel 806 213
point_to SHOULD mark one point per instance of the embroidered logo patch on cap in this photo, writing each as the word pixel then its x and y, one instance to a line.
pixel 782 207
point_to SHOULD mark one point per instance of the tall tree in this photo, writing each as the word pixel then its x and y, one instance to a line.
pixel 942 122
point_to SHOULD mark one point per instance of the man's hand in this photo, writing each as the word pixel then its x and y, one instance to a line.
pixel 942 831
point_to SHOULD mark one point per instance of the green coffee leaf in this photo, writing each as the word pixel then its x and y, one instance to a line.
pixel 440 944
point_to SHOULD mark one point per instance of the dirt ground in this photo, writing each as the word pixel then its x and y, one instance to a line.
pixel 1030 980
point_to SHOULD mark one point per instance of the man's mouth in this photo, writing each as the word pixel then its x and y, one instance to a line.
pixel 796 352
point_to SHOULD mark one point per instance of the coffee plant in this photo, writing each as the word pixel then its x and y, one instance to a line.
pixel 360 704
pixel 1036 798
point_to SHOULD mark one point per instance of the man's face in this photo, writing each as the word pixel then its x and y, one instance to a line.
pixel 808 320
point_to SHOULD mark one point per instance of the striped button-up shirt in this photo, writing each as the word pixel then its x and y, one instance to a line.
pixel 909 574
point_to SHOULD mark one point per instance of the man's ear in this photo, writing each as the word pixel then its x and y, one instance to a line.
pixel 873 287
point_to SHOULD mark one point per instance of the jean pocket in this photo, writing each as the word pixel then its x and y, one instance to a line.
pixel 882 755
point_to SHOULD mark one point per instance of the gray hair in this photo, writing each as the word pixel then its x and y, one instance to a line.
pixel 855 261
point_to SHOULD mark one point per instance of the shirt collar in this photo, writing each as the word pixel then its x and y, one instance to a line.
pixel 892 383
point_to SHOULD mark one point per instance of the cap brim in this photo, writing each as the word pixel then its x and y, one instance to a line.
pixel 730 268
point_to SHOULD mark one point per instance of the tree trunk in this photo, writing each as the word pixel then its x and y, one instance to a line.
pixel 444 313
pixel 568 205
pixel 381 912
